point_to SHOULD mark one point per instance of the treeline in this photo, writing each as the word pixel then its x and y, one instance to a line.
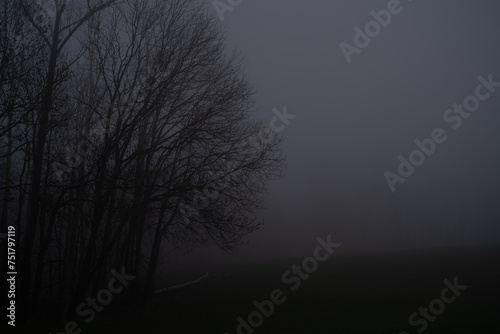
pixel 116 120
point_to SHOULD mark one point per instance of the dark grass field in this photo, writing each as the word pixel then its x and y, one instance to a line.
pixel 348 293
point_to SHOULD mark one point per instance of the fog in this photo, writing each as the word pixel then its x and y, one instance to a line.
pixel 353 120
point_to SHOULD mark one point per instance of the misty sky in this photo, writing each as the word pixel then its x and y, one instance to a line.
pixel 354 120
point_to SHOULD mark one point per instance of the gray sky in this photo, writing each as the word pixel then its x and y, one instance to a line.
pixel 354 120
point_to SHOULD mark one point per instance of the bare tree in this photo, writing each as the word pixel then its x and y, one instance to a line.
pixel 187 115
pixel 141 138
pixel 55 34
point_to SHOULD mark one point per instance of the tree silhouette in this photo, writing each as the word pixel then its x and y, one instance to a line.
pixel 140 137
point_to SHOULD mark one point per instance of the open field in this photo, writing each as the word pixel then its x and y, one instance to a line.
pixel 348 293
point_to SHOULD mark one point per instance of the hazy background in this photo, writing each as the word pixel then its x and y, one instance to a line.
pixel 354 120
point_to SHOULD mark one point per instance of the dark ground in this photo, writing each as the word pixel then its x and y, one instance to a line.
pixel 349 293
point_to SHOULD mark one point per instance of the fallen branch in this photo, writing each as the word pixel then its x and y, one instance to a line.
pixel 183 285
